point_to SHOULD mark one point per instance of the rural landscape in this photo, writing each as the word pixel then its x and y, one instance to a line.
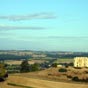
pixel 43 43
pixel 41 69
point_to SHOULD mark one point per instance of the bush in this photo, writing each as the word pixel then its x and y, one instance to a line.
pixel 6 75
pixel 49 74
pixel 54 65
pixel 1 79
pixel 80 80
pixel 3 73
pixel 62 70
pixel 75 78
pixel 35 67
pixel 69 76
pixel 86 72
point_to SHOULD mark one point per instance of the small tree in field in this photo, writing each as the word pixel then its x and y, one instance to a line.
pixel 3 73
pixel 24 66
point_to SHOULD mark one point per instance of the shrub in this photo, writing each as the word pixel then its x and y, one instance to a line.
pixel 54 65
pixel 75 78
pixel 69 76
pixel 35 67
pixel 3 73
pixel 62 70
pixel 86 72
pixel 1 79
pixel 49 74
pixel 6 75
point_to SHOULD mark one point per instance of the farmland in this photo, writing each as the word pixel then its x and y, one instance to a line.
pixel 47 74
pixel 64 60
pixel 39 79
pixel 18 62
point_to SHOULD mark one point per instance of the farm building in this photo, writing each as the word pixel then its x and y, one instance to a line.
pixel 81 62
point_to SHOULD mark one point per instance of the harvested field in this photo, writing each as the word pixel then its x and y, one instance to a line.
pixel 18 62
pixel 37 83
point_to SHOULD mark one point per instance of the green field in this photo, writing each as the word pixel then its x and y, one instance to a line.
pixel 59 60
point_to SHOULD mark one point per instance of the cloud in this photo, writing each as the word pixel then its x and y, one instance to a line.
pixel 67 37
pixel 3 27
pixel 4 33
pixel 44 38
pixel 29 16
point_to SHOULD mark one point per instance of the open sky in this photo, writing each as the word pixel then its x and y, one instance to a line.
pixel 52 25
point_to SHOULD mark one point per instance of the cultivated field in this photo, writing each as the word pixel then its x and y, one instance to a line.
pixel 64 60
pixel 18 62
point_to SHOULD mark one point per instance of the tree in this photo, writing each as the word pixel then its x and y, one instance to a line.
pixel 24 66
pixel 35 67
pixel 3 73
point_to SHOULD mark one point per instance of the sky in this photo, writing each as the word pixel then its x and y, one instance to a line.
pixel 44 25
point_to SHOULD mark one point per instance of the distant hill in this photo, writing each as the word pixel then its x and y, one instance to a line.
pixel 27 54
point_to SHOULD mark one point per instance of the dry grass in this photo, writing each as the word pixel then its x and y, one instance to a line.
pixel 4 85
pixel 54 75
pixel 37 83
pixel 41 79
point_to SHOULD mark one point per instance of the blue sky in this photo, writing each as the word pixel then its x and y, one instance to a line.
pixel 52 25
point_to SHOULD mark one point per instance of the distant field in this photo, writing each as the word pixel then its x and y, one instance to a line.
pixel 64 60
pixel 18 62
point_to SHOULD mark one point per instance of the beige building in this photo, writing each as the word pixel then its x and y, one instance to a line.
pixel 81 62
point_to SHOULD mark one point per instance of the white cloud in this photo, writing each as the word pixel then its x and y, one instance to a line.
pixel 7 27
pixel 29 16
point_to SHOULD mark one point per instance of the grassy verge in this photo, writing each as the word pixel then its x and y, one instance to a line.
pixel 18 85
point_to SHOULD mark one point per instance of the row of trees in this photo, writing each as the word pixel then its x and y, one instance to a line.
pixel 13 57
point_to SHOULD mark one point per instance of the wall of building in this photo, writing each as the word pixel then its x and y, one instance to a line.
pixel 81 62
